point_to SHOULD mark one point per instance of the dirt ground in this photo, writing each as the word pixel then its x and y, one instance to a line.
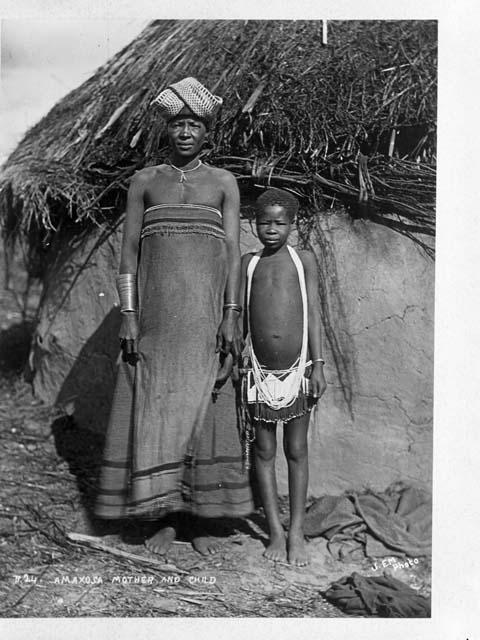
pixel 49 468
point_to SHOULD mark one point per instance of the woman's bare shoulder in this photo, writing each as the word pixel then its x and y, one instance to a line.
pixel 145 175
pixel 220 174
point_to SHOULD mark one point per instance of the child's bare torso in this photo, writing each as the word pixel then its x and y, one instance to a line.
pixel 276 312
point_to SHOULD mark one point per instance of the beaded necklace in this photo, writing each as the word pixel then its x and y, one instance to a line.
pixel 184 171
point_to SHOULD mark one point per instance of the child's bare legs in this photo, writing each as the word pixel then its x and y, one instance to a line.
pixel 265 450
pixel 296 451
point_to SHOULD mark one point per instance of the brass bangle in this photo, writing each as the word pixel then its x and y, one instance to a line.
pixel 233 306
pixel 127 291
pixel 321 360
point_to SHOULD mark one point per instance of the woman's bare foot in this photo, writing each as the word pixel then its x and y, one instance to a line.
pixel 276 549
pixel 296 546
pixel 160 542
pixel 205 545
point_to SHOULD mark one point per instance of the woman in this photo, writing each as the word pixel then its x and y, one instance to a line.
pixel 169 449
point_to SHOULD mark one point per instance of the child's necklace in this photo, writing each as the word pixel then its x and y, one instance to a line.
pixel 184 171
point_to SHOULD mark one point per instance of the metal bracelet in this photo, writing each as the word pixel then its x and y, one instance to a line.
pixel 127 291
pixel 232 305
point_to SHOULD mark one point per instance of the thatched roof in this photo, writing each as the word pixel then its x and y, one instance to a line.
pixel 297 113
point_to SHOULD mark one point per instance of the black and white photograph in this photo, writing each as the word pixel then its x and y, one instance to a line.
pixel 218 317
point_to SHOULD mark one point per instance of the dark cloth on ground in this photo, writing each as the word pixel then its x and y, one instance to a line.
pixel 381 596
pixel 395 522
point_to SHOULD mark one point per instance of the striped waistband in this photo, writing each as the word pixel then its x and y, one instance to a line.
pixel 184 207
pixel 182 218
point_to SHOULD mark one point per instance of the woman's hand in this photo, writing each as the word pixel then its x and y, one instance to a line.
pixel 317 381
pixel 226 366
pixel 229 337
pixel 128 335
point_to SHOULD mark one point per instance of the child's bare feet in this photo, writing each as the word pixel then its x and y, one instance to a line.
pixel 160 542
pixel 205 545
pixel 297 552
pixel 276 549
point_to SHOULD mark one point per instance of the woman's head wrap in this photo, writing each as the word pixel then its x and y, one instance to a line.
pixel 189 93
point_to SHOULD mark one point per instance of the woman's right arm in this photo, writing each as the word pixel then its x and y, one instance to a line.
pixel 129 256
pixel 133 224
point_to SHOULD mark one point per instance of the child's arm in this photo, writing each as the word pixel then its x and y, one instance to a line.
pixel 317 379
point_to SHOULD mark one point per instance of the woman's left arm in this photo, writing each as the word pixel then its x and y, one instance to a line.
pixel 228 337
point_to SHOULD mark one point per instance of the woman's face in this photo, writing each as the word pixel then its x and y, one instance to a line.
pixel 186 134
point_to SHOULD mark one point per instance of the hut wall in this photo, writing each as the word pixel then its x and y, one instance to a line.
pixel 386 287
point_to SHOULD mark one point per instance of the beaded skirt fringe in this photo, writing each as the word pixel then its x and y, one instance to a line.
pixel 259 411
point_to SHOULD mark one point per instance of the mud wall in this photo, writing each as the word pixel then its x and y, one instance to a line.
pixel 380 308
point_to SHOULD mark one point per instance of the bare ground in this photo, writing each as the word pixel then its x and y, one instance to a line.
pixel 49 468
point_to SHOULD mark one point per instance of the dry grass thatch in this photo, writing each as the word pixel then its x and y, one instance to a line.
pixel 298 114
pixel 353 120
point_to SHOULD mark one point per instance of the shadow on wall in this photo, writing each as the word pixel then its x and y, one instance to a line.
pixel 82 450
pixel 87 391
pixel 86 397
pixel 15 348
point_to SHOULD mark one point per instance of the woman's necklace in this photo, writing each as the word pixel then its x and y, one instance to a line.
pixel 184 171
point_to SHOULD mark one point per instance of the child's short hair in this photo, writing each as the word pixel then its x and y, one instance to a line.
pixel 283 198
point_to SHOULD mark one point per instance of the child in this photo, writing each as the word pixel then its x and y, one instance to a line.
pixel 282 320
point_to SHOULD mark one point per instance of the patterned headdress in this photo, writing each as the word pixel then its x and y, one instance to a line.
pixel 190 93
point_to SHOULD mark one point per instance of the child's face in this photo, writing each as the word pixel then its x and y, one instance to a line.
pixel 273 226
